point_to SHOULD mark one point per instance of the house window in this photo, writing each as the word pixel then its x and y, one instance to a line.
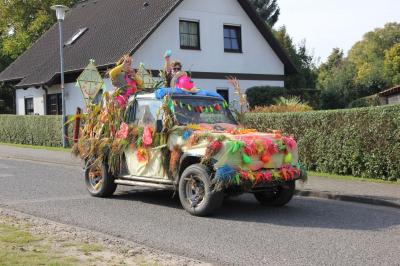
pixel 224 93
pixel 54 104
pixel 232 39
pixel 189 32
pixel 29 106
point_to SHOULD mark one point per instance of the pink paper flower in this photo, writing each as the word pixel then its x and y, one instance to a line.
pixel 147 136
pixel 123 131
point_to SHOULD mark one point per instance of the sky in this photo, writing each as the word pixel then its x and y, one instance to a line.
pixel 326 24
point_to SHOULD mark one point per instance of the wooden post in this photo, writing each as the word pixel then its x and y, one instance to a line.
pixel 77 124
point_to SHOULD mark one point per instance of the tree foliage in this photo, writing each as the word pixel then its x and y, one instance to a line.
pixel 371 66
pixel 268 10
pixel 392 65
pixel 301 58
pixel 22 22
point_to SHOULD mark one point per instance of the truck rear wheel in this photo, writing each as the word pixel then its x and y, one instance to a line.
pixel 195 191
pixel 280 196
pixel 98 181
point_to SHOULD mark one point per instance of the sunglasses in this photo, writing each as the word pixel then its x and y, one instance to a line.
pixel 177 68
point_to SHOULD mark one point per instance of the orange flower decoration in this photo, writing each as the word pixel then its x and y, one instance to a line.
pixel 142 155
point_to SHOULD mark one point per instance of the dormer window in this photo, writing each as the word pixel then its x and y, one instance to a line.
pixel 76 36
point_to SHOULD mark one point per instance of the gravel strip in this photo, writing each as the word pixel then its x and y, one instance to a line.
pixel 118 246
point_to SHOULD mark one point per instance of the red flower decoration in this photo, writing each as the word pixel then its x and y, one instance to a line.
pixel 259 177
pixel 216 145
pixel 267 176
pixel 289 172
pixel 250 149
pixel 244 175
pixel 265 158
pixel 271 148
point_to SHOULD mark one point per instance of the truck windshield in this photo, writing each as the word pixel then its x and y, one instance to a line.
pixel 202 110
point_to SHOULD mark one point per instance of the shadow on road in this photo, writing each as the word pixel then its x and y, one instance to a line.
pixel 150 196
pixel 300 212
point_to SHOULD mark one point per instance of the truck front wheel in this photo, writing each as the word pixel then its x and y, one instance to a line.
pixel 280 196
pixel 195 191
pixel 98 181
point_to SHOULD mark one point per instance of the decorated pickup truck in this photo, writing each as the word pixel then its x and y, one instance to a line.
pixel 184 141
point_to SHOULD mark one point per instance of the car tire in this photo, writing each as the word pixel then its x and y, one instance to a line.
pixel 280 197
pixel 196 193
pixel 105 186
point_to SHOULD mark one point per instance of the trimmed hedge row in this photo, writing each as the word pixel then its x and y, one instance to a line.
pixel 31 130
pixel 363 142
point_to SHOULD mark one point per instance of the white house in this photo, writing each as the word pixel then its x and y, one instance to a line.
pixel 213 39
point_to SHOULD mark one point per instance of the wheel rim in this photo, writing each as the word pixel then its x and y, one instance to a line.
pixel 195 191
pixel 95 178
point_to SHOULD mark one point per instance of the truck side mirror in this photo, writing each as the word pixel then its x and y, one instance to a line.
pixel 159 126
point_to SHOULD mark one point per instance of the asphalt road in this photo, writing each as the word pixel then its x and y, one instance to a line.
pixel 306 232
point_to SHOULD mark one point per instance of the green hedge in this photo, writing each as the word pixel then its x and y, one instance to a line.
pixel 31 130
pixel 362 142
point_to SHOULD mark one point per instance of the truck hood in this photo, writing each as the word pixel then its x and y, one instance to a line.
pixel 226 144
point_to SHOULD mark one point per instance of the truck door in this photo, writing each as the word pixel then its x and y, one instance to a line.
pixel 144 113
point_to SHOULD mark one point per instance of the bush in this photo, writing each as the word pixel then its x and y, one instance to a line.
pixel 366 102
pixel 284 105
pixel 264 95
pixel 331 99
pixel 362 142
pixel 31 130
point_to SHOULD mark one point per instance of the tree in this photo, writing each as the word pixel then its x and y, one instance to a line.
pixel 268 10
pixel 392 65
pixel 371 65
pixel 22 22
pixel 368 56
pixel 301 58
pixel 327 70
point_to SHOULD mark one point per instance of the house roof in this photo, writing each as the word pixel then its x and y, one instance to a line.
pixel 391 91
pixel 114 28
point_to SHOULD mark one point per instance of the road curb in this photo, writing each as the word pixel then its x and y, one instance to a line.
pixel 349 198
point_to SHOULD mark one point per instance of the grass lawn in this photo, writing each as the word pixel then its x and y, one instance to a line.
pixel 352 178
pixel 18 247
